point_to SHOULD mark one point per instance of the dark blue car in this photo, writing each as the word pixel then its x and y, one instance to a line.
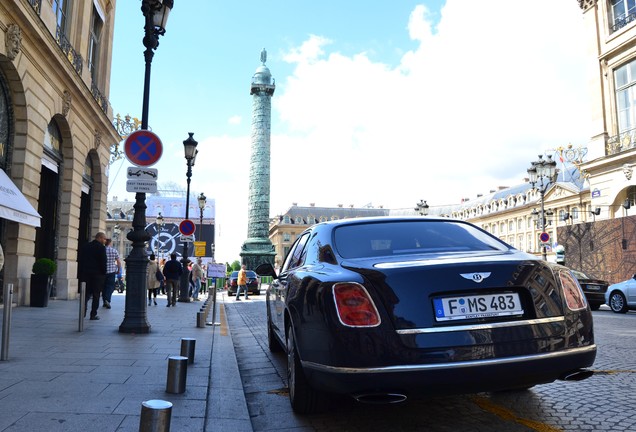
pixel 383 309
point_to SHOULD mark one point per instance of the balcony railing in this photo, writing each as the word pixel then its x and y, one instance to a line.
pixel 622 21
pixel 619 143
pixel 66 47
pixel 99 98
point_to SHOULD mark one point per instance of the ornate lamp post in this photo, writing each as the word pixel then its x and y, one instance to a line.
pixel 421 208
pixel 542 173
pixel 135 320
pixel 159 222
pixel 202 202
pixel 190 151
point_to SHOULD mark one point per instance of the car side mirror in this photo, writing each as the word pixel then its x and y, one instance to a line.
pixel 266 269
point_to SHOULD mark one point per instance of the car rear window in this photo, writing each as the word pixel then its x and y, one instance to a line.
pixel 408 237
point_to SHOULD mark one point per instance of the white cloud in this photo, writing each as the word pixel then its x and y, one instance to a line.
pixel 490 87
pixel 235 120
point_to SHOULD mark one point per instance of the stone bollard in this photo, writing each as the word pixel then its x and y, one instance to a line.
pixel 155 416
pixel 200 319
pixel 177 374
pixel 187 348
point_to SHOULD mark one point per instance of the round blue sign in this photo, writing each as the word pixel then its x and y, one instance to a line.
pixel 544 237
pixel 187 227
pixel 143 148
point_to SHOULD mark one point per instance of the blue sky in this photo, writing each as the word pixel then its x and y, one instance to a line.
pixel 376 102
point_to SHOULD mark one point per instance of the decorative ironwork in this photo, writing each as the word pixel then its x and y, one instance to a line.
pixel 621 22
pixel 99 98
pixel 73 57
pixel 124 127
pixel 619 143
pixel 36 5
pixel 570 154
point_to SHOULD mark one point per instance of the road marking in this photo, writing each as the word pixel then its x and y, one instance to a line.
pixel 612 372
pixel 223 320
pixel 506 414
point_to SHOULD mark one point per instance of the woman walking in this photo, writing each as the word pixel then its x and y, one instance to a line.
pixel 154 279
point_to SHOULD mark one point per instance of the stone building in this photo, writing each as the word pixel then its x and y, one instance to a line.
pixel 55 131
pixel 285 228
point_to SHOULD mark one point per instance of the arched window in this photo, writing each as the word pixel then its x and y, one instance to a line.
pixel 5 123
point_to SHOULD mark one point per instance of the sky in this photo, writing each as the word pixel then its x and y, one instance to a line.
pixel 380 103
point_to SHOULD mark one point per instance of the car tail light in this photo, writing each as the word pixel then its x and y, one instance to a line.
pixel 574 296
pixel 354 305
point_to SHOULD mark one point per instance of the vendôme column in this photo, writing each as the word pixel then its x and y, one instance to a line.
pixel 258 248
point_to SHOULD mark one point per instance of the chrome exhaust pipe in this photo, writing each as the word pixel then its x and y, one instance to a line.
pixel 577 375
pixel 380 398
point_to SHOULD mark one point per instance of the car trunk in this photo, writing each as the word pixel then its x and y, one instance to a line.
pixel 484 284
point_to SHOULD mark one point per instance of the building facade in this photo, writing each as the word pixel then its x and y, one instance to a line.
pixel 55 131
pixel 285 228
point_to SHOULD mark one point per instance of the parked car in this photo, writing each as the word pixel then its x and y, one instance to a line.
pixel 594 289
pixel 387 308
pixel 621 297
pixel 253 283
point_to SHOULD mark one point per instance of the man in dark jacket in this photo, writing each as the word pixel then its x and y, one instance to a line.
pixel 92 270
pixel 172 271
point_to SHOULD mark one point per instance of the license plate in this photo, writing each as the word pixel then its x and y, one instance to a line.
pixel 593 288
pixel 477 306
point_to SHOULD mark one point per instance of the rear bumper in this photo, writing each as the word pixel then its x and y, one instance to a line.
pixel 453 377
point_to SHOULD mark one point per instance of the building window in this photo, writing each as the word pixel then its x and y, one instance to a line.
pixel 631 195
pixel 519 224
pixel 575 213
pixel 61 9
pixel 502 228
pixel 52 137
pixel 299 220
pixel 286 219
pixel 625 78
pixel 623 12
pixel 94 44
pixel 286 237
pixel 511 226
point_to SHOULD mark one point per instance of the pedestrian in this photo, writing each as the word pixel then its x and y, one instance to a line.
pixel 113 266
pixel 1 258
pixel 241 281
pixel 92 270
pixel 155 277
pixel 172 271
pixel 162 263
pixel 197 276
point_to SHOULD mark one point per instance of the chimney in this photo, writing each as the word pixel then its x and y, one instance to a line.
pixel 350 205
pixel 340 205
pixel 294 204
pixel 312 204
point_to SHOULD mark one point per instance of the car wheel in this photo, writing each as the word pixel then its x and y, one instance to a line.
pixel 303 398
pixel 617 302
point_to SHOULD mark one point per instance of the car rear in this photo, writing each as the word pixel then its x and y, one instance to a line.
pixel 452 321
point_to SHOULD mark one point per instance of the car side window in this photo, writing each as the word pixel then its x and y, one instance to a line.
pixel 295 255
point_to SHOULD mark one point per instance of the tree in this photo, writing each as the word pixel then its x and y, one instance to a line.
pixel 236 265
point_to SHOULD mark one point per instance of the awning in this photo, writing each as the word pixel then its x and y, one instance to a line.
pixel 13 205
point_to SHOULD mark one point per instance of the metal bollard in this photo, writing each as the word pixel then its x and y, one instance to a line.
pixel 7 295
pixel 82 308
pixel 200 319
pixel 177 374
pixel 155 416
pixel 187 348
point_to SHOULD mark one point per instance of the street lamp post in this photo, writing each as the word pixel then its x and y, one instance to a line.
pixel 542 173
pixel 159 222
pixel 202 202
pixel 190 151
pixel 135 319
pixel 421 208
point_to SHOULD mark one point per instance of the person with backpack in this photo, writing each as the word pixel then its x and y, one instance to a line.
pixel 155 277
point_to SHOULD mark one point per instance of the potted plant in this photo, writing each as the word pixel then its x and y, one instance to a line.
pixel 43 269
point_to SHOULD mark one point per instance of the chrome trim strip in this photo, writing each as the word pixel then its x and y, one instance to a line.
pixel 481 326
pixel 452 365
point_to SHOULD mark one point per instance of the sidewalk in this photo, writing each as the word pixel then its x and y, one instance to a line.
pixel 59 379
